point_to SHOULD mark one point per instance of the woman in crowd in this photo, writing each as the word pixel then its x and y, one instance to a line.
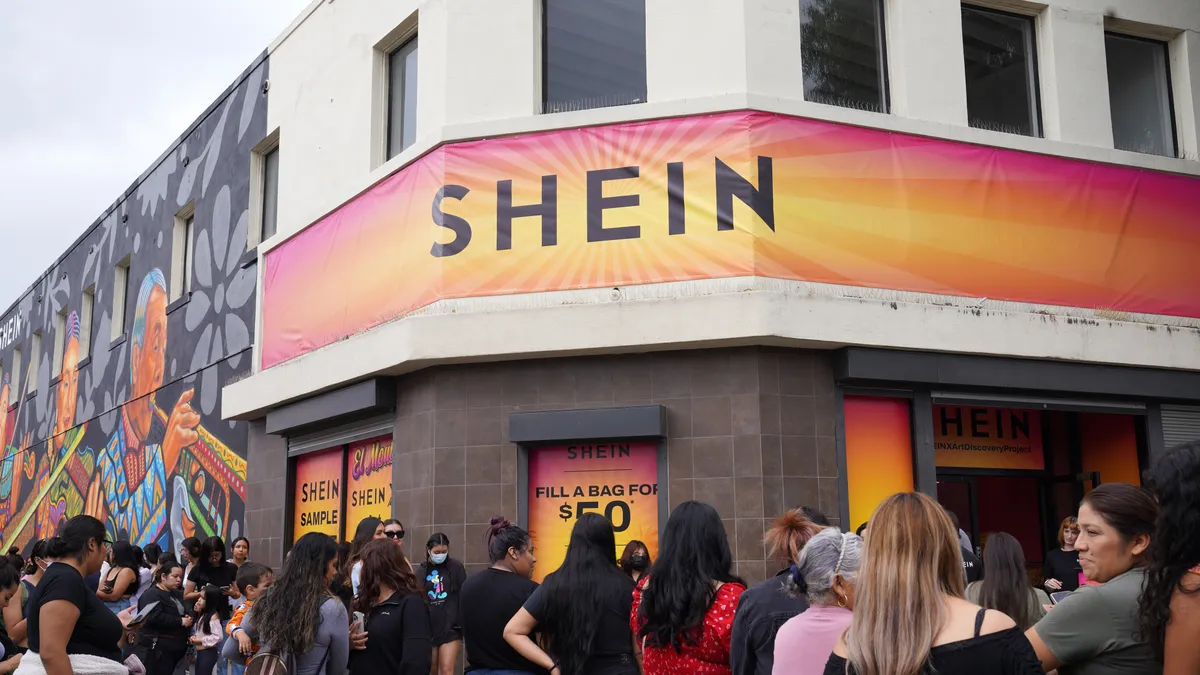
pixel 341 581
pixel 493 596
pixel 10 587
pixel 1005 588
pixel 682 617
pixel 211 568
pixel 396 621
pixel 369 528
pixel 635 560
pixel 1061 571
pixel 766 606
pixel 909 616
pixel 298 616
pixel 120 582
pixel 189 555
pixel 442 578
pixel 394 529
pixel 581 611
pixel 14 611
pixel 241 551
pixel 1170 600
pixel 68 625
pixel 212 613
pixel 1095 629
pixel 163 639
pixel 824 574
pixel 145 574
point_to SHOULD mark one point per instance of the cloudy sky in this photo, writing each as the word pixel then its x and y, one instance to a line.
pixel 91 93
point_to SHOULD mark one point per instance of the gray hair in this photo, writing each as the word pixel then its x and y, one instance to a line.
pixel 828 554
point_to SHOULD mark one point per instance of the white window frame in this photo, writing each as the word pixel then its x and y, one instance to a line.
pixel 35 349
pixel 120 299
pixel 380 82
pixel 14 394
pixel 258 190
pixel 60 342
pixel 86 308
pixel 183 251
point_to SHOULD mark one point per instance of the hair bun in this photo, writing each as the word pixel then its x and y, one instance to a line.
pixel 499 523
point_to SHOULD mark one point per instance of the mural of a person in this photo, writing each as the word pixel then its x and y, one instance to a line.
pixel 131 494
pixel 65 437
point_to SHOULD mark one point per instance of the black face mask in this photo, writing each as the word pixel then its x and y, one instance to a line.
pixel 639 562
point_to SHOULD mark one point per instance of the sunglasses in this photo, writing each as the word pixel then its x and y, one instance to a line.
pixel 394 535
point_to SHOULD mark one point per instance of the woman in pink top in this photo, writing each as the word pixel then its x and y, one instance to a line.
pixel 824 572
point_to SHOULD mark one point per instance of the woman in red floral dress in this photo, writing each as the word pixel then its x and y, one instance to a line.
pixel 682 615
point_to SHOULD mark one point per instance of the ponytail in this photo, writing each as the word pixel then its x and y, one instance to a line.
pixel 503 535
pixel 788 535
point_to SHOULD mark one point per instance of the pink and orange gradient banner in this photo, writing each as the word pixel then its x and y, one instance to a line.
pixel 879 459
pixel 729 195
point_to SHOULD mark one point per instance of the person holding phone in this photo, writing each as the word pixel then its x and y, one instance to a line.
pixel 392 610
pixel 163 638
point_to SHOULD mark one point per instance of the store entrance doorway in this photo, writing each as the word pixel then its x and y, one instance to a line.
pixel 1023 470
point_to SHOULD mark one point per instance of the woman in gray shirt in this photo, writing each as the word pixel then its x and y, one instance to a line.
pixel 298 617
pixel 1094 631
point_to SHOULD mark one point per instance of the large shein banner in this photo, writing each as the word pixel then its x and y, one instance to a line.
pixel 734 194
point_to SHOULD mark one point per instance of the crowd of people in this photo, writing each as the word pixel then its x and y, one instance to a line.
pixel 1120 595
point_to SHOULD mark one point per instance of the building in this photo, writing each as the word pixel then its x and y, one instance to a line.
pixel 543 257
pixel 760 253
pixel 112 362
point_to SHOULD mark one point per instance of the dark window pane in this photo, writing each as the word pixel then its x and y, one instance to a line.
pixel 842 52
pixel 402 98
pixel 270 193
pixel 1139 93
pixel 595 54
pixel 1001 72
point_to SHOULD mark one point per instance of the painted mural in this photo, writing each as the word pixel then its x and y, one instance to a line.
pixel 129 429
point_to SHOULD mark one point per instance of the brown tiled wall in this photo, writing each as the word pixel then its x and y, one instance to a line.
pixel 266 488
pixel 751 431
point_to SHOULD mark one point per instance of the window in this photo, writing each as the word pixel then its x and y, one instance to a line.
pixel 182 253
pixel 593 54
pixel 1001 65
pixel 60 341
pixel 85 322
pixel 270 188
pixel 120 298
pixel 14 382
pixel 842 52
pixel 1139 94
pixel 35 350
pixel 402 97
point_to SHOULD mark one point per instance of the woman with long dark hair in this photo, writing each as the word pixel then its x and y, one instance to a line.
pixel 1095 629
pixel 683 614
pixel 212 613
pixel 1170 600
pixel 580 610
pixel 909 615
pixel 635 560
pixel 14 612
pixel 368 529
pixel 1005 586
pixel 493 596
pixel 395 618
pixel 340 586
pixel 121 581
pixel 68 624
pixel 163 639
pixel 297 617
pixel 1061 570
pixel 211 568
pixel 442 578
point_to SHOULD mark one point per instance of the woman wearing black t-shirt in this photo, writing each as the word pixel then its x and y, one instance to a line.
pixel 581 610
pixel 442 578
pixel 211 568
pixel 67 621
pixel 1062 570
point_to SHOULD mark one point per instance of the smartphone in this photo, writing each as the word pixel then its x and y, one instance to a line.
pixel 360 620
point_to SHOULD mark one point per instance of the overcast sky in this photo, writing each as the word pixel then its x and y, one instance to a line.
pixel 91 93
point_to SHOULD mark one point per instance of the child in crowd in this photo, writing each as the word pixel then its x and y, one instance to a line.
pixel 212 609
pixel 252 579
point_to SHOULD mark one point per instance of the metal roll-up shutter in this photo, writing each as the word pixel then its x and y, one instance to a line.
pixel 1181 424
pixel 349 433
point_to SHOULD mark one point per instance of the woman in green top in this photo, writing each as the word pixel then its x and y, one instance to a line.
pixel 1005 586
pixel 1094 631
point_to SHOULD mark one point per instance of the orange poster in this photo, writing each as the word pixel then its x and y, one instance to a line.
pixel 369 480
pixel 879 460
pixel 987 438
pixel 618 480
pixel 317 505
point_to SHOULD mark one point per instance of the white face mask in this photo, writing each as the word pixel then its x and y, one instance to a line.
pixel 438 558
